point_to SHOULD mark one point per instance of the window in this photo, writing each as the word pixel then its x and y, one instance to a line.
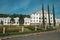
pixel 5 22
pixel 45 18
pixel 8 22
pixel 36 20
pixel 25 22
pixel 51 20
pixel 37 14
pixel 36 17
pixel 39 21
pixel 39 18
pixel 51 17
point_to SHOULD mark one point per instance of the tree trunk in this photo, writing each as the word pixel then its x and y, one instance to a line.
pixel 54 23
pixel 3 30
pixel 43 16
pixel 49 24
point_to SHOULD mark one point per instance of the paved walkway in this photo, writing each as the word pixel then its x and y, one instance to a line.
pixel 54 35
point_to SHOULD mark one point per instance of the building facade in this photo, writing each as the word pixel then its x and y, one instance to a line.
pixel 58 22
pixel 7 21
pixel 26 21
pixel 37 18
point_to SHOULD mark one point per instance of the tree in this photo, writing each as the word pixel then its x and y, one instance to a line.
pixel 4 15
pixel 43 16
pixel 54 22
pixel 3 27
pixel 49 16
pixel 1 22
pixel 12 21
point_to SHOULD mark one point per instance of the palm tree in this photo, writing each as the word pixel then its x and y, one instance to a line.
pixel 54 22
pixel 49 16
pixel 43 16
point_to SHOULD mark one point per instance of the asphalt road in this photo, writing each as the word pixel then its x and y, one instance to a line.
pixel 46 36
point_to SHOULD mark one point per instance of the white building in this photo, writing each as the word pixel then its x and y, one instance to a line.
pixel 16 21
pixel 37 18
pixel 26 21
pixel 58 22
pixel 7 21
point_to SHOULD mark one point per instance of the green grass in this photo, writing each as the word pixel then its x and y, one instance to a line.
pixel 17 33
pixel 27 31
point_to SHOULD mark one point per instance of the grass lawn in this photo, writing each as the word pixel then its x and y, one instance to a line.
pixel 19 33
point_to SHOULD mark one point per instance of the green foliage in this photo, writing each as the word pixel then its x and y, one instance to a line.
pixel 4 15
pixel 1 22
pixel 12 20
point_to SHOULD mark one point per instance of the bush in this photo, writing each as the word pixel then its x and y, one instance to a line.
pixel 1 28
pixel 33 27
pixel 30 27
pixel 13 29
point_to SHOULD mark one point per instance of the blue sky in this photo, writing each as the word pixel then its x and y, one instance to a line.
pixel 27 6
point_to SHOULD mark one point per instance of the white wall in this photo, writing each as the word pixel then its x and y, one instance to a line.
pixel 57 22
pixel 16 21
pixel 26 21
pixel 37 17
pixel 6 21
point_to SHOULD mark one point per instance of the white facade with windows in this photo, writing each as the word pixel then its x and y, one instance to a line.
pixel 37 18
pixel 26 21
pixel 16 21
pixel 58 22
pixel 6 21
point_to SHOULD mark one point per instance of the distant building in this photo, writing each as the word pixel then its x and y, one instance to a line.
pixel 37 18
pixel 16 21
pixel 58 22
pixel 7 21
pixel 26 21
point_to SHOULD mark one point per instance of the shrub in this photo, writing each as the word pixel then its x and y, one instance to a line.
pixel 13 29
pixel 33 27
pixel 1 28
pixel 30 27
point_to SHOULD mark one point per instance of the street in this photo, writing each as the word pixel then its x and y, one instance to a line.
pixel 46 36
